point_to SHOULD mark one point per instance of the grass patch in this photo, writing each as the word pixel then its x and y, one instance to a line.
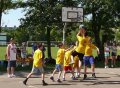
pixel 50 67
pixel 29 51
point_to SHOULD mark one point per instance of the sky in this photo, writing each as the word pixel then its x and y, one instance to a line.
pixel 12 17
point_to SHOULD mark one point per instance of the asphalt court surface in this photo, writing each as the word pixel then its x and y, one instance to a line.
pixel 106 78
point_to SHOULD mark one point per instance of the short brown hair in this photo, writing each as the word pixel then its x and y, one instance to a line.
pixel 39 45
pixel 60 44
pixel 83 27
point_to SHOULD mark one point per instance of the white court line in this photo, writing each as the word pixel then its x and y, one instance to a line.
pixel 30 86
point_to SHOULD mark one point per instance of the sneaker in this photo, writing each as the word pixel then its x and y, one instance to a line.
pixel 106 67
pixel 58 80
pixel 24 82
pixel 85 76
pixel 52 78
pixel 64 79
pixel 93 75
pixel 112 66
pixel 44 84
pixel 13 75
pixel 78 76
pixel 73 78
pixel 9 76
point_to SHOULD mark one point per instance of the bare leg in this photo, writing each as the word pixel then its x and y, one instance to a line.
pixel 12 70
pixel 85 72
pixel 29 75
pixel 64 73
pixel 114 60
pixel 106 62
pixel 72 72
pixel 80 66
pixel 52 76
pixel 54 72
pixel 8 71
pixel 85 69
pixel 59 74
pixel 93 68
pixel 43 76
pixel 78 71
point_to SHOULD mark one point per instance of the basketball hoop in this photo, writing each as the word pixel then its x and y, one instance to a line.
pixel 72 14
pixel 74 20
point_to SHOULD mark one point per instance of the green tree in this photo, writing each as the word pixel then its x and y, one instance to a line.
pixel 21 35
pixel 46 14
pixel 105 14
pixel 117 34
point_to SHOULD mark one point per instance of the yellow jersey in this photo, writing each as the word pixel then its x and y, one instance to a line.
pixel 82 44
pixel 76 62
pixel 60 56
pixel 76 58
pixel 67 58
pixel 37 62
pixel 89 49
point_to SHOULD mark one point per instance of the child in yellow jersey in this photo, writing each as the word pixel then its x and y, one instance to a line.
pixel 37 64
pixel 76 66
pixel 88 58
pixel 67 64
pixel 59 62
pixel 80 49
pixel 76 61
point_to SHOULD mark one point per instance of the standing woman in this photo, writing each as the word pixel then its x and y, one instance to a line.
pixel 114 54
pixel 80 49
pixel 107 54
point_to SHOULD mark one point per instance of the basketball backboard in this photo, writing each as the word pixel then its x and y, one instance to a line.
pixel 72 14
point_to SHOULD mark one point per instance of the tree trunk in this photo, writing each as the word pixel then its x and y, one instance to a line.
pixel 96 29
pixel 99 43
pixel 48 43
pixel 1 9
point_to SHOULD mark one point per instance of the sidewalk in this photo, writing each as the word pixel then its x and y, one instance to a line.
pixel 106 78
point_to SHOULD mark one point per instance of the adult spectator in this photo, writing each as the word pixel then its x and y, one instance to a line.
pixel 23 53
pixel 11 57
pixel 107 54
pixel 113 54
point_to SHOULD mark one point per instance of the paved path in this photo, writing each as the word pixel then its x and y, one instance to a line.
pixel 106 78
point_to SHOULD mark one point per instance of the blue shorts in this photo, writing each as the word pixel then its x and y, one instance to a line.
pixel 11 63
pixel 58 67
pixel 88 60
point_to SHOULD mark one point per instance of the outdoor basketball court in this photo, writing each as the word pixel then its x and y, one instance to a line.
pixel 106 78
